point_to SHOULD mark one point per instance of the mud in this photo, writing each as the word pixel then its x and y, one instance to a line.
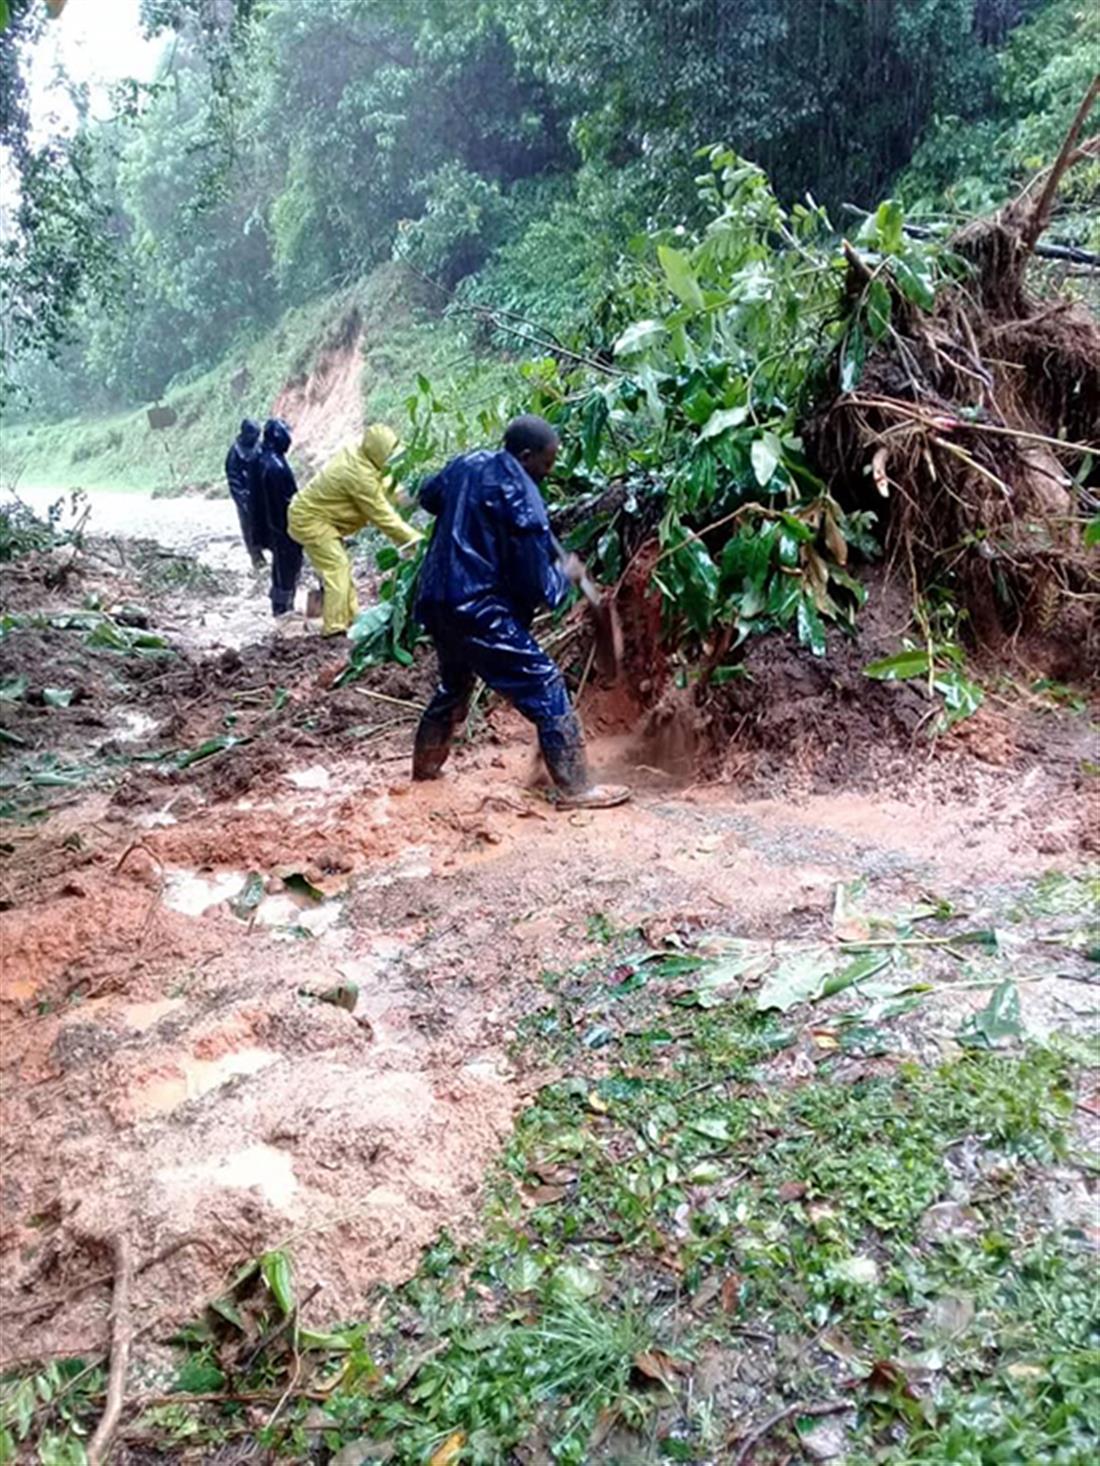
pixel 168 1068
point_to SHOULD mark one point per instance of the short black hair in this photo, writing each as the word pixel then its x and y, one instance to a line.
pixel 529 434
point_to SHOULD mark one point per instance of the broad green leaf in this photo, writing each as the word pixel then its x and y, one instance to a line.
pixel 371 623
pixel 998 1022
pixel 890 226
pixel 639 337
pixel 387 558
pixel 1092 533
pixel 278 1276
pixel 915 283
pixel 852 358
pixel 766 452
pixel 13 690
pixel 712 1128
pixel 796 980
pixel 719 422
pixel 57 697
pixel 879 307
pixel 961 697
pixel 811 628
pixel 680 276
pixel 899 667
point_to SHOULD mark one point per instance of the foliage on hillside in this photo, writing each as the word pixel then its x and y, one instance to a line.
pixel 285 149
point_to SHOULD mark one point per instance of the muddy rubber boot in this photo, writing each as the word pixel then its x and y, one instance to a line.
pixel 562 743
pixel 430 749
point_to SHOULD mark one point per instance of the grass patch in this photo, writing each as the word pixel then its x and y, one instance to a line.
pixel 691 1230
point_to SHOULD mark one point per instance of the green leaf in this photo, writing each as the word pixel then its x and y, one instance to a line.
pixel 766 452
pixel 811 628
pixel 680 276
pixel 712 1128
pixel 998 1022
pixel 57 697
pixel 900 667
pixel 214 745
pixel 13 690
pixel 852 358
pixel 387 558
pixel 639 337
pixel 692 580
pixel 961 697
pixel 858 971
pixel 1092 533
pixel 12 738
pixel 5 15
pixel 721 421
pixel 796 980
pixel 198 1377
pixel 279 1277
pixel 890 226
pixel 915 282
pixel 879 308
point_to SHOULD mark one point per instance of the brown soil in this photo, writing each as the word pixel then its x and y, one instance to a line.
pixel 168 1069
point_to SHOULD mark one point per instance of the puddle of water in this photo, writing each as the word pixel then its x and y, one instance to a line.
pixel 262 1167
pixel 191 894
pixel 143 1016
pixel 315 777
pixel 287 909
pixel 192 1078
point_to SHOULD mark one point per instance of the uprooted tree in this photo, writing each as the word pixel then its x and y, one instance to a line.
pixel 754 408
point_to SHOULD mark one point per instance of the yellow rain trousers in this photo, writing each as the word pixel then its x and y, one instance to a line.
pixel 350 491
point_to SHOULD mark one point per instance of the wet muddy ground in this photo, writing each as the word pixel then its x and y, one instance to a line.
pixel 267 996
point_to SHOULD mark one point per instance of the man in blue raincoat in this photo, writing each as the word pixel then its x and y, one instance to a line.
pixel 242 465
pixel 490 564
pixel 276 486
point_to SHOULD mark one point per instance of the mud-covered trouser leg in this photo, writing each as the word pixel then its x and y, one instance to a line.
pixel 286 566
pixel 447 709
pixel 503 653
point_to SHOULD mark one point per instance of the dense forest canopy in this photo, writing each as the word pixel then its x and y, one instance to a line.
pixel 507 149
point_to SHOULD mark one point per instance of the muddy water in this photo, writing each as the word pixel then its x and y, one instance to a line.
pixel 206 528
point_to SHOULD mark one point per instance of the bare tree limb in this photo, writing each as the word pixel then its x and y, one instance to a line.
pixel 121 1335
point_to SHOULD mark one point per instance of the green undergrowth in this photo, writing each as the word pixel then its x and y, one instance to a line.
pixel 402 339
pixel 716 1208
pixel 124 452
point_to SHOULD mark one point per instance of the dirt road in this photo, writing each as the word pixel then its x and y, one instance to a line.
pixel 173 918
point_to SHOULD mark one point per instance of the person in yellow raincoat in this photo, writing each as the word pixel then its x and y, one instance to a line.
pixel 351 491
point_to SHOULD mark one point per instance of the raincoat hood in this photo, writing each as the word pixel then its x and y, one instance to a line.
pixel 379 442
pixel 249 434
pixel 276 435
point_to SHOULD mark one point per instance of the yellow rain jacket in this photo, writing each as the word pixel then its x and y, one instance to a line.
pixel 351 491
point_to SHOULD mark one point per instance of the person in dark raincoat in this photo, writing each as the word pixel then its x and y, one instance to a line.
pixel 241 467
pixel 276 487
pixel 490 564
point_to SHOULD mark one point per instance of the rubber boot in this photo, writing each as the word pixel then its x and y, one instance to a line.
pixel 562 743
pixel 430 748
